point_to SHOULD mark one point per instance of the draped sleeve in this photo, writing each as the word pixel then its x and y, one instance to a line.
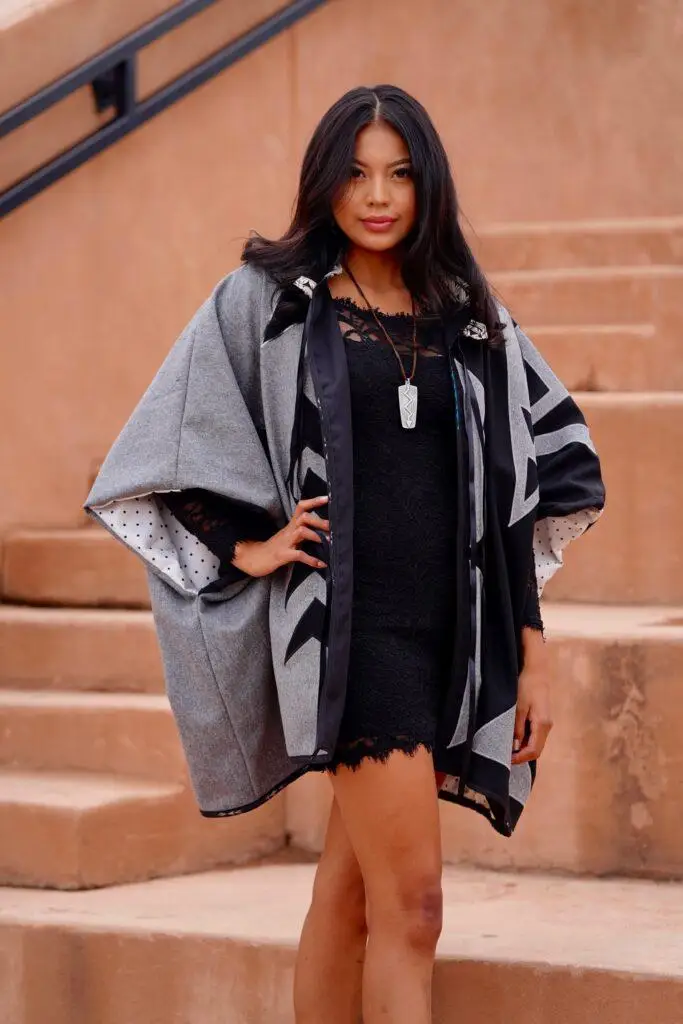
pixel 571 490
pixel 190 473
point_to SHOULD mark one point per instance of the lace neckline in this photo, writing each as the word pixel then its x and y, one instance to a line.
pixel 350 304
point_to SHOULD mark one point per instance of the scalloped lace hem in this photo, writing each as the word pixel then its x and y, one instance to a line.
pixel 373 748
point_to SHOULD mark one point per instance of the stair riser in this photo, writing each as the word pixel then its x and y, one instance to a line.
pixel 634 554
pixel 126 741
pixel 73 568
pixel 607 795
pixel 125 977
pixel 594 299
pixel 601 361
pixel 132 841
pixel 47 651
pixel 533 250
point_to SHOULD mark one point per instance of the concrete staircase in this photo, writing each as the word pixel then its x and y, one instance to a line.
pixel 92 783
pixel 219 948
pixel 93 788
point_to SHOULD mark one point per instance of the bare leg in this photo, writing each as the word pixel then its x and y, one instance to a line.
pixel 329 966
pixel 391 815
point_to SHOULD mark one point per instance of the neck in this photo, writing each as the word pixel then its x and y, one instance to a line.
pixel 377 272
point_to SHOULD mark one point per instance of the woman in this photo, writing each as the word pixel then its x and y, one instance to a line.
pixel 350 480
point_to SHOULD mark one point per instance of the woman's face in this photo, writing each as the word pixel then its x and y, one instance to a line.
pixel 376 210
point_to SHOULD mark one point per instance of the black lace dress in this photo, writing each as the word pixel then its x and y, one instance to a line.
pixel 405 491
pixel 405 497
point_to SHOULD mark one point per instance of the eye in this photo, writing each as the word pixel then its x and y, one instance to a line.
pixel 356 172
pixel 404 172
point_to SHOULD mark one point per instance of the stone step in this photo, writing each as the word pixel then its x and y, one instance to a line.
pixel 220 947
pixel 123 734
pixel 72 567
pixel 79 649
pixel 602 295
pixel 634 554
pixel 73 830
pixel 596 243
pixel 585 295
pixel 604 357
pixel 608 792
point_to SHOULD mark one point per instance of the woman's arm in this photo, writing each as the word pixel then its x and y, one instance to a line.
pixel 533 720
pixel 219 524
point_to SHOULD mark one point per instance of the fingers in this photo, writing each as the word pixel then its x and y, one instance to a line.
pixel 301 523
pixel 304 504
pixel 527 751
pixel 520 726
pixel 297 555
pixel 540 727
pixel 312 520
pixel 302 533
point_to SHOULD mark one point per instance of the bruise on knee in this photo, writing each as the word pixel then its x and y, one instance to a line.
pixel 413 909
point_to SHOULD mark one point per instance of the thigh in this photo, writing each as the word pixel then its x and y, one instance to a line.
pixel 391 816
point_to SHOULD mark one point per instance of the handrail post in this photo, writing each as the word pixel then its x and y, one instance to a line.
pixel 116 88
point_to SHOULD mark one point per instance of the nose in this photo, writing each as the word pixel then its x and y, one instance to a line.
pixel 378 190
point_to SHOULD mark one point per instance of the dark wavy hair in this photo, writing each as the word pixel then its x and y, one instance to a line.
pixel 437 261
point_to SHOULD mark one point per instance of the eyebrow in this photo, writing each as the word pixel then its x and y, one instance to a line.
pixel 394 163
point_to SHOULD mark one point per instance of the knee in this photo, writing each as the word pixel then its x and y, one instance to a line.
pixel 338 891
pixel 411 909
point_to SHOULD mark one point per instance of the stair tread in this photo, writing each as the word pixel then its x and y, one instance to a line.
pixel 602 621
pixel 79 700
pixel 631 399
pixel 637 330
pixel 594 924
pixel 77 791
pixel 83 617
pixel 606 226
pixel 611 272
pixel 90 534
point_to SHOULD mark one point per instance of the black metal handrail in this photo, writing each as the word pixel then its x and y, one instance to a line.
pixel 112 75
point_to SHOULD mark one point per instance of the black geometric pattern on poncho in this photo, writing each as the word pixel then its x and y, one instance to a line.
pixel 310 626
pixel 313 485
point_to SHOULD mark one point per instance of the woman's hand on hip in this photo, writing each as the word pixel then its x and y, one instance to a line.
pixel 533 720
pixel 258 558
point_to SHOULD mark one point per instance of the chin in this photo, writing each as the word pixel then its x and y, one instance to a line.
pixel 377 243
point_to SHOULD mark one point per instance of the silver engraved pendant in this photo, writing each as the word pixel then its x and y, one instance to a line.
pixel 407 404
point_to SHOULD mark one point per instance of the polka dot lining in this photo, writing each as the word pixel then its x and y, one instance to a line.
pixel 551 537
pixel 148 528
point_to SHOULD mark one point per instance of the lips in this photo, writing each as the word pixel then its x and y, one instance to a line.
pixel 379 224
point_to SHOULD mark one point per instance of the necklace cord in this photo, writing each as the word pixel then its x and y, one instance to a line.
pixel 384 330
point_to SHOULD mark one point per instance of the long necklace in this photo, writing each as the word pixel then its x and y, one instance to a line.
pixel 407 392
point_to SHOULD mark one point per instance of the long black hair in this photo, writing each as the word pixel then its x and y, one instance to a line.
pixel 438 266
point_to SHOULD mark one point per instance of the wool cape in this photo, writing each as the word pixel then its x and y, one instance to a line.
pixel 252 403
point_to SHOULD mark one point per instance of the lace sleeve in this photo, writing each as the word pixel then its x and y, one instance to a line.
pixel 219 523
pixel 532 608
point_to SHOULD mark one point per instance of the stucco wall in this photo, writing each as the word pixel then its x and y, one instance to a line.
pixel 550 109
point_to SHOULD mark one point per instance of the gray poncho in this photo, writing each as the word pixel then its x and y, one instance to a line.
pixel 252 404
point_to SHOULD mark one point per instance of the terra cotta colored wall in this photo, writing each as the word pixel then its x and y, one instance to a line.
pixel 550 109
